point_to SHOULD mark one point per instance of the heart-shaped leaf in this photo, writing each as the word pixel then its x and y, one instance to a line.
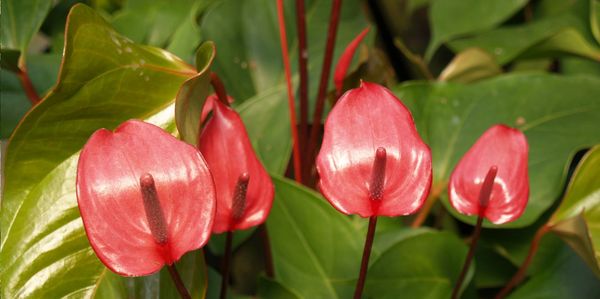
pixel 450 19
pixel 21 20
pixel 423 266
pixel 450 117
pixel 105 79
pixel 577 219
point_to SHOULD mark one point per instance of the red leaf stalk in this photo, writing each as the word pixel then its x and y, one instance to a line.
pixel 291 102
pixel 28 87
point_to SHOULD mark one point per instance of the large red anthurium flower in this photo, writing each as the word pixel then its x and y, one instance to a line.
pixel 244 188
pixel 145 197
pixel 505 151
pixel 372 161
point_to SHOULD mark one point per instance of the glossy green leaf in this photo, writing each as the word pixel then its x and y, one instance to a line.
pixel 21 20
pixel 555 33
pixel 547 108
pixel 316 249
pixel 450 19
pixel 563 276
pixel 470 65
pixel 577 219
pixel 579 66
pixel 423 266
pixel 251 61
pixel 192 95
pixel 105 79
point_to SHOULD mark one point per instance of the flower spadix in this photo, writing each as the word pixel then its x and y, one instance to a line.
pixel 503 151
pixel 244 188
pixel 145 197
pixel 372 161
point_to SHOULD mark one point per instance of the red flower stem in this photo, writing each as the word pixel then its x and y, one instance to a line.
pixel 325 72
pixel 290 92
pixel 302 62
pixel 219 88
pixel 264 235
pixel 518 277
pixel 484 199
pixel 28 87
pixel 364 264
pixel 225 265
pixel 469 258
pixel 178 282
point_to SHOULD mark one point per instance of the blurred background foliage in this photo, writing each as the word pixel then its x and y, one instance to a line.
pixel 459 65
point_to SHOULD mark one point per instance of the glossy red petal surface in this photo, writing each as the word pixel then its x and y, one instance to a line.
pixel 208 106
pixel 344 63
pixel 111 204
pixel 225 145
pixel 363 120
pixel 506 148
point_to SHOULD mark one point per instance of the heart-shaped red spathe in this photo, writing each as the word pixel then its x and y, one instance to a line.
pixel 507 149
pixel 111 204
pixel 225 145
pixel 363 120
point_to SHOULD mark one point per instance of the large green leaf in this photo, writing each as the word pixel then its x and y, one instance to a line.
pixel 251 60
pixel 595 18
pixel 105 79
pixel 316 249
pixel 21 20
pixel 547 108
pixel 450 19
pixel 563 276
pixel 577 219
pixel 565 31
pixel 423 266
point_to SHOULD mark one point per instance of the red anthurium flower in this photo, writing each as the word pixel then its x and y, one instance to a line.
pixel 145 197
pixel 208 106
pixel 344 63
pixel 372 161
pixel 244 188
pixel 503 150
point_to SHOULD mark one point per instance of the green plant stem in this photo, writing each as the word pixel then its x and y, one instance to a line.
pixel 225 265
pixel 178 282
pixel 518 277
pixel 264 235
pixel 469 259
pixel 415 59
pixel 364 264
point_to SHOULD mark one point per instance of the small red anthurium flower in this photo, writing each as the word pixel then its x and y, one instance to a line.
pixel 145 197
pixel 372 161
pixel 244 188
pixel 500 153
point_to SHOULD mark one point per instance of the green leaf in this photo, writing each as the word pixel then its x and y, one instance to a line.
pixel 577 219
pixel 266 118
pixel 105 79
pixel 555 33
pixel 254 65
pixel 21 20
pixel 450 19
pixel 423 266
pixel 564 276
pixel 316 249
pixel 595 18
pixel 269 288
pixel 470 65
pixel 579 66
pixel 450 117
pixel 192 95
